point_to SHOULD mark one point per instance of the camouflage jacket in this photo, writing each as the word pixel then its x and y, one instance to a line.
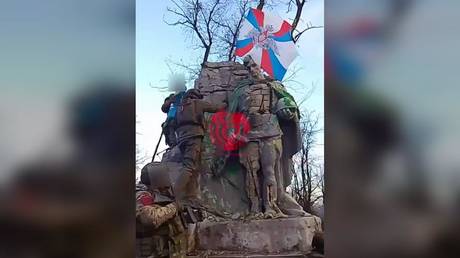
pixel 190 117
pixel 149 213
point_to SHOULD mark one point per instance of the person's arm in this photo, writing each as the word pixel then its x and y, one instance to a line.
pixel 156 215
pixel 167 104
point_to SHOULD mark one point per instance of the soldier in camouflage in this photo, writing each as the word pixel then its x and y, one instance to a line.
pixel 159 231
pixel 150 213
pixel 176 85
pixel 190 133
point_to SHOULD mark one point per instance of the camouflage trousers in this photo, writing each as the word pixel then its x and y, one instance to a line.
pixel 262 160
pixel 169 131
pixel 187 185
pixel 169 240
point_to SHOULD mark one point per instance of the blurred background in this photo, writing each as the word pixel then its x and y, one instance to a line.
pixel 391 129
pixel 67 76
pixel 68 128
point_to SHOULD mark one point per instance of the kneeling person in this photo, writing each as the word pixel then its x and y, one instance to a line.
pixel 159 230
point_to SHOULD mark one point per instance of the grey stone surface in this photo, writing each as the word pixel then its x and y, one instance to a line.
pixel 272 236
pixel 226 191
pixel 220 76
pixel 290 255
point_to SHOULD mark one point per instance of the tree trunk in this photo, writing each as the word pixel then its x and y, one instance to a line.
pixel 206 54
pixel 260 6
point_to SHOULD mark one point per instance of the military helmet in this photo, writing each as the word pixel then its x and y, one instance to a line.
pixel 156 175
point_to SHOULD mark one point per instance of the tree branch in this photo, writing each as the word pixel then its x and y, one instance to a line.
pixel 309 27
pixel 261 4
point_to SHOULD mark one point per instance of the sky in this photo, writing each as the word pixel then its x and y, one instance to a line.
pixel 156 42
pixel 50 54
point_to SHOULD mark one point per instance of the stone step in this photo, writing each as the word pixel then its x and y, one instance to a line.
pixel 253 256
pixel 269 236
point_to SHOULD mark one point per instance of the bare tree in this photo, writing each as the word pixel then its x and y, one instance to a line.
pixel 192 68
pixel 214 25
pixel 141 156
pixel 299 5
pixel 270 4
pixel 231 26
pixel 261 4
pixel 321 182
pixel 198 17
pixel 306 188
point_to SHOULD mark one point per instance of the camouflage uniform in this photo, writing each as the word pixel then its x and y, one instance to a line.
pixel 190 132
pixel 159 232
pixel 150 213
pixel 169 126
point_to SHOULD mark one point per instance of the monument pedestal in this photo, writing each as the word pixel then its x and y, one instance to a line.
pixel 286 237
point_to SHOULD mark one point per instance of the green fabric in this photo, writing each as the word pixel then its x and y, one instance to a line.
pixel 282 93
pixel 234 98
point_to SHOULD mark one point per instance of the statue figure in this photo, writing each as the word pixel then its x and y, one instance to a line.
pixel 190 133
pixel 176 84
pixel 265 103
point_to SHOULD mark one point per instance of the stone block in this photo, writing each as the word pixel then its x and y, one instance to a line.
pixel 290 255
pixel 218 97
pixel 219 64
pixel 270 236
pixel 220 76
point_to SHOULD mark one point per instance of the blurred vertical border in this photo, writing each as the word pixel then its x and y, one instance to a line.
pixel 67 76
pixel 392 129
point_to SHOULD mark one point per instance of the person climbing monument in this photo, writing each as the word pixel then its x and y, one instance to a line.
pixel 176 84
pixel 190 133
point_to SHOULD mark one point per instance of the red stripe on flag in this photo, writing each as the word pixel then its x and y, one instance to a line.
pixel 266 64
pixel 285 28
pixel 259 17
pixel 244 50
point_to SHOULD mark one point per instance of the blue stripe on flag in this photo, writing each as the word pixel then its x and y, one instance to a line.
pixel 285 38
pixel 244 42
pixel 278 70
pixel 252 19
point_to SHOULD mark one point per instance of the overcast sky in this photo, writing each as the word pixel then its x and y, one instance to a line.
pixel 156 42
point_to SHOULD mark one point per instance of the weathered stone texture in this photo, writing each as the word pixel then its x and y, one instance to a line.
pixel 273 236
pixel 220 77
pixel 224 192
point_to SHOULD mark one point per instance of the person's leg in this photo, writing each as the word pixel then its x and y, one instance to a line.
pixel 169 132
pixel 190 150
pixel 249 157
pixel 164 129
pixel 269 159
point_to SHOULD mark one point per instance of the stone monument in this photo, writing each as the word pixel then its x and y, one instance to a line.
pixel 246 215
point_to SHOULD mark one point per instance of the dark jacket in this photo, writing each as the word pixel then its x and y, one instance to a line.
pixel 190 117
pixel 167 103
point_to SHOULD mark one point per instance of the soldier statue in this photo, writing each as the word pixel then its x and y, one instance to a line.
pixel 176 84
pixel 159 229
pixel 264 102
pixel 190 133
